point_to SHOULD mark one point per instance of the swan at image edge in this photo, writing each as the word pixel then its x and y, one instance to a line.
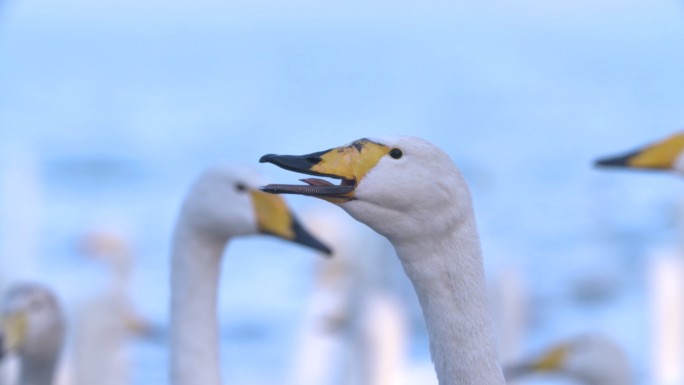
pixel 33 329
pixel 667 154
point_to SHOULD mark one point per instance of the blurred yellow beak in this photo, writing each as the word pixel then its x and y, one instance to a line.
pixel 553 360
pixel 274 218
pixel 14 327
pixel 661 155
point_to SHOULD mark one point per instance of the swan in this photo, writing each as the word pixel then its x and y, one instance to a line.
pixel 355 329
pixel 224 202
pixel 668 154
pixel 33 327
pixel 107 320
pixel 411 192
pixel 592 359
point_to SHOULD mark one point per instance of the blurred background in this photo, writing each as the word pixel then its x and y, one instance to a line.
pixel 109 109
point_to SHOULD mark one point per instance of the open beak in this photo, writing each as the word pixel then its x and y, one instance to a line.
pixel 659 156
pixel 12 332
pixel 274 218
pixel 347 163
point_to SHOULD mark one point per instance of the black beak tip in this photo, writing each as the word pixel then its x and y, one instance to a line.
pixel 268 158
pixel 318 245
pixel 324 249
pixel 620 161
pixel 303 237
pixel 327 252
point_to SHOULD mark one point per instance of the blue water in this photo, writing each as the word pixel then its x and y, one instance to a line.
pixel 118 104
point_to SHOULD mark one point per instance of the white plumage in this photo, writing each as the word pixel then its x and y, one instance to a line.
pixel 355 328
pixel 106 321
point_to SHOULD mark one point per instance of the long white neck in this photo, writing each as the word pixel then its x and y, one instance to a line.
pixel 448 276
pixel 194 325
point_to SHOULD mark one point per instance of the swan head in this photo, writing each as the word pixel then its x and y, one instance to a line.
pixel 107 245
pixel 225 202
pixel 667 154
pixel 398 186
pixel 591 358
pixel 32 322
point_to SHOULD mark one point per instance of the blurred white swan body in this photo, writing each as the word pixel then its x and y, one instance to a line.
pixel 106 322
pixel 411 192
pixel 354 330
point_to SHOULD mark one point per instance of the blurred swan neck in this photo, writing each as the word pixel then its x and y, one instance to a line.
pixel 194 326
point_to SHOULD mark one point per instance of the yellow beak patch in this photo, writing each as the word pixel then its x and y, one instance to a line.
pixel 273 216
pixel 351 162
pixel 659 155
pixel 14 329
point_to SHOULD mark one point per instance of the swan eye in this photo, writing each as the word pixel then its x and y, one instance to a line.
pixel 396 153
pixel 240 187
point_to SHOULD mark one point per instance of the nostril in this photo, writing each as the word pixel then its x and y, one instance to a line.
pixel 313 159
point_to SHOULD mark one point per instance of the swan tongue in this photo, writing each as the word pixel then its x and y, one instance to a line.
pixel 316 182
